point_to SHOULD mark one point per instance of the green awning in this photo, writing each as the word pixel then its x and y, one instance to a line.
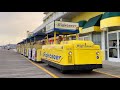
pixel 95 21
pixel 82 23
pixel 110 19
pixel 110 14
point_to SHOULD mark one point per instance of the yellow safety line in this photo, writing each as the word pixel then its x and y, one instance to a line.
pixel 40 67
pixel 53 75
pixel 107 73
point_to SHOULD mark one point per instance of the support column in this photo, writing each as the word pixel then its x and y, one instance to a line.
pixel 77 36
pixel 47 38
pixel 103 42
pixel 54 37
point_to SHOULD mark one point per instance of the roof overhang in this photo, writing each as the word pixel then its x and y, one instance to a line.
pixel 93 25
pixel 110 19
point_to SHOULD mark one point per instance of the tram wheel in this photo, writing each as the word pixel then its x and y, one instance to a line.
pixel 89 70
pixel 35 61
pixel 63 71
pixel 49 65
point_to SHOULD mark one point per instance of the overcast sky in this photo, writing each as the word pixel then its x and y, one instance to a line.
pixel 13 25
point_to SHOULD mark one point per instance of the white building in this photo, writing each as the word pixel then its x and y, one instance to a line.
pixel 108 23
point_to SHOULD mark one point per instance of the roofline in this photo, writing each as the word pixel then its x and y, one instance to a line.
pixel 45 12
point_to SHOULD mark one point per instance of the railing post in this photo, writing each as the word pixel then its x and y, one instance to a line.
pixel 54 37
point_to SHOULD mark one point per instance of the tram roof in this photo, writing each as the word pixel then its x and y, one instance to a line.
pixel 38 35
pixel 62 31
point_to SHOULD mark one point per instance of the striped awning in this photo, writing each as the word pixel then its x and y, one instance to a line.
pixel 81 24
pixel 93 24
pixel 110 19
pixel 39 34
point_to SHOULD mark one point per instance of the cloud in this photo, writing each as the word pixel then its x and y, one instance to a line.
pixel 13 25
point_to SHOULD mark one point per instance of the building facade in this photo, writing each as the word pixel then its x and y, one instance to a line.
pixel 103 28
pixel 29 34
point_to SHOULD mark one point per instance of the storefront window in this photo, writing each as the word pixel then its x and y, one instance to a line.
pixel 70 38
pixel 112 40
pixel 73 37
pixel 113 52
pixel 96 38
pixel 86 37
pixel 81 38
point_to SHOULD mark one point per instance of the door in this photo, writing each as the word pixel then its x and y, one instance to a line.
pixel 113 46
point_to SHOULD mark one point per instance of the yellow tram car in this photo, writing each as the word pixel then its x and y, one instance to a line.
pixel 27 49
pixel 71 54
pixel 30 49
pixel 32 46
pixel 27 46
pixel 37 46
pixel 63 54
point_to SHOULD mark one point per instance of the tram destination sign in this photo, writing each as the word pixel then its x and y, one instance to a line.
pixel 66 25
pixel 62 25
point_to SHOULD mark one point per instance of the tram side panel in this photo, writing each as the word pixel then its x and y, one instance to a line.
pixel 27 48
pixel 29 53
pixel 57 55
pixel 38 55
pixel 88 56
pixel 36 52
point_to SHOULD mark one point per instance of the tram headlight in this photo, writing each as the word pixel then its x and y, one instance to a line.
pixel 97 53
pixel 70 53
pixel 97 57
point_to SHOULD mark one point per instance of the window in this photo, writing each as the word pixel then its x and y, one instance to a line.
pixel 81 38
pixel 96 38
pixel 87 37
pixel 73 37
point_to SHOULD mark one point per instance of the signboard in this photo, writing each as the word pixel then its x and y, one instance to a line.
pixel 62 25
pixel 51 56
pixel 66 25
pixel 50 26
pixel 90 29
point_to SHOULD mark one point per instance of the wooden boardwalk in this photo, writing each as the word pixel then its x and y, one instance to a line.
pixel 14 65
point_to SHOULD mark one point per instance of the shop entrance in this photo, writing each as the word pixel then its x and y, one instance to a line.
pixel 114 46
